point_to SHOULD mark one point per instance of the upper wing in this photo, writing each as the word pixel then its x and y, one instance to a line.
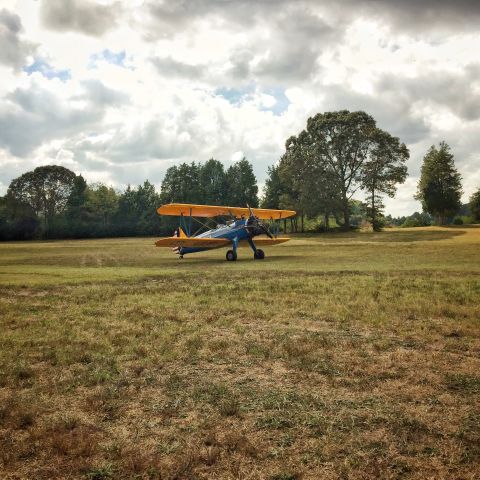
pixel 192 242
pixel 186 209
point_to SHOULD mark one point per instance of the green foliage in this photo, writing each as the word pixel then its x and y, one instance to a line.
pixel 213 182
pixel 242 186
pixel 18 220
pixel 381 172
pixel 439 188
pixel 337 154
pixel 210 184
pixel 102 202
pixel 415 220
pixel 458 221
pixel 77 213
pixel 182 184
pixel 475 205
pixel 45 190
pixel 273 188
pixel 467 219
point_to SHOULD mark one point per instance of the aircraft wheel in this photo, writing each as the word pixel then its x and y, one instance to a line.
pixel 259 254
pixel 231 256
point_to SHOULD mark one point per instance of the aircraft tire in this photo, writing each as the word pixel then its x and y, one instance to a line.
pixel 231 256
pixel 259 254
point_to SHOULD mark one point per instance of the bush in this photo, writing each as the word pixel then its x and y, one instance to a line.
pixel 467 219
pixel 411 222
pixel 417 220
pixel 458 221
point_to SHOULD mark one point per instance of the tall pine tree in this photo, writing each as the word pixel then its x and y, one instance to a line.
pixel 439 188
pixel 242 185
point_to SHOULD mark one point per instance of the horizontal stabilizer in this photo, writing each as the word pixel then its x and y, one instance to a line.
pixel 192 242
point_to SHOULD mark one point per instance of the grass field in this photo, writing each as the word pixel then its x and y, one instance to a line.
pixel 338 356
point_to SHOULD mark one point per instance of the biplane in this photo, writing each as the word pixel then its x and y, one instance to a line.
pixel 233 225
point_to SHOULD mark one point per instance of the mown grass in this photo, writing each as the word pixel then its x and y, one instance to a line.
pixel 339 356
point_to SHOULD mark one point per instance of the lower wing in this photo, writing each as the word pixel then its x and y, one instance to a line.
pixel 212 242
pixel 270 241
pixel 192 242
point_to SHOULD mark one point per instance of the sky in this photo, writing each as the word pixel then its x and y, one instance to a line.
pixel 119 91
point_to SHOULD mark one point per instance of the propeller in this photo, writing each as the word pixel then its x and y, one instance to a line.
pixel 254 226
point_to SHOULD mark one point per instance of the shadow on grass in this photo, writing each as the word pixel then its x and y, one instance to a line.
pixel 410 236
pixel 395 236
pixel 193 258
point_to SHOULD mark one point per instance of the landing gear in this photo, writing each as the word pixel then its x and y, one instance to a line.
pixel 231 255
pixel 258 254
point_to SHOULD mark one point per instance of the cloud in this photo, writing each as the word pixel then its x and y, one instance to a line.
pixel 168 67
pixel 282 49
pixel 14 50
pixel 31 117
pixel 96 93
pixel 459 92
pixel 423 16
pixel 170 17
pixel 79 16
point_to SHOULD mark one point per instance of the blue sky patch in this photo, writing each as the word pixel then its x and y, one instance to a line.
pixel 236 95
pixel 115 58
pixel 40 65
pixel 282 102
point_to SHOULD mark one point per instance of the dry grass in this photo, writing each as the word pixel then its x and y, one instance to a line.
pixel 342 356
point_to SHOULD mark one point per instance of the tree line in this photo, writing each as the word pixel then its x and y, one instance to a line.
pixel 53 202
pixel 337 156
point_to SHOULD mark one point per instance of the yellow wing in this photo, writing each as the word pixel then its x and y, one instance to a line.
pixel 178 209
pixel 192 242
pixel 269 241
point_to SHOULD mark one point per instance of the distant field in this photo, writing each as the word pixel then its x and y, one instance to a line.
pixel 338 356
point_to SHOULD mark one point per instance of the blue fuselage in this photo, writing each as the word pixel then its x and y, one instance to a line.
pixel 235 231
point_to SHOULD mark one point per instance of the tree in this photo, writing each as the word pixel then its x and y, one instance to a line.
pixel 383 169
pixel 338 143
pixel 181 184
pixel 147 202
pixel 337 154
pixel 213 183
pixel 416 220
pixel 342 141
pixel 102 202
pixel 18 221
pixel 45 190
pixel 273 189
pixel 242 186
pixel 312 186
pixel 126 217
pixel 475 205
pixel 76 212
pixel 439 188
